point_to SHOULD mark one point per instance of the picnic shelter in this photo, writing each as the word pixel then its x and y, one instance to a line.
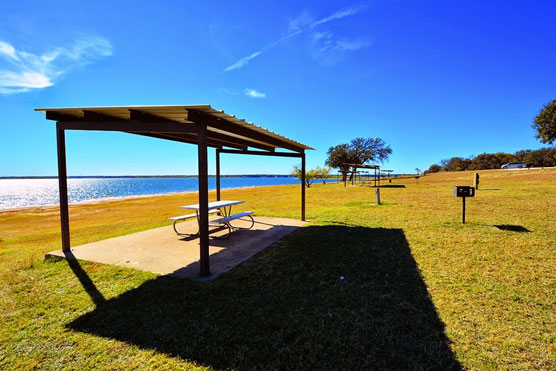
pixel 194 124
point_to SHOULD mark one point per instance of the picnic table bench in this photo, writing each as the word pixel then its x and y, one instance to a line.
pixel 176 219
pixel 223 208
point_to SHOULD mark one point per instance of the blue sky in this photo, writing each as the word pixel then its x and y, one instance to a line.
pixel 434 79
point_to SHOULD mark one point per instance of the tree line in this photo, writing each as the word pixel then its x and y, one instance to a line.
pixel 544 157
pixel 545 126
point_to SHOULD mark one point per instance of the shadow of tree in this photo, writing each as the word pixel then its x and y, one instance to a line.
pixel 288 308
pixel 391 186
pixel 512 228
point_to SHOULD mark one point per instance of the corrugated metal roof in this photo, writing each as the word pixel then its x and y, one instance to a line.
pixel 180 114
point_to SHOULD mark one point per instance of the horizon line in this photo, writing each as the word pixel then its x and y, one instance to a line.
pixel 134 176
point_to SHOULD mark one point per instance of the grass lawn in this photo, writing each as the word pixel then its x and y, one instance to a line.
pixel 420 290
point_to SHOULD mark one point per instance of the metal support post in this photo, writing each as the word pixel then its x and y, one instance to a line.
pixel 463 211
pixel 217 174
pixel 203 200
pixel 63 187
pixel 303 187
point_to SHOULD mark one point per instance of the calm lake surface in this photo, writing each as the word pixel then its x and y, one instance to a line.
pixel 15 193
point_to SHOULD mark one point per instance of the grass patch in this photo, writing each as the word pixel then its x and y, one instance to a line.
pixel 420 290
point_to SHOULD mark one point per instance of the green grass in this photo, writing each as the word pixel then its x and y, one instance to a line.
pixel 420 290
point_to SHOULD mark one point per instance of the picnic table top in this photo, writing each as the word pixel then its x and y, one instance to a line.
pixel 213 205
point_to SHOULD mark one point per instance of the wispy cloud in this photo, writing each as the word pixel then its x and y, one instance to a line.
pixel 243 61
pixel 300 22
pixel 253 93
pixel 338 15
pixel 22 71
pixel 226 91
pixel 328 50
pixel 352 44
pixel 298 25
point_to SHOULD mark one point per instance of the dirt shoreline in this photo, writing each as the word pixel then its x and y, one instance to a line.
pixel 108 200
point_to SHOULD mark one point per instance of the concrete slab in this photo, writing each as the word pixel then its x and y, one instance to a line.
pixel 161 251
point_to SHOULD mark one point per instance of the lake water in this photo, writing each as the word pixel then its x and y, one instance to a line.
pixel 15 193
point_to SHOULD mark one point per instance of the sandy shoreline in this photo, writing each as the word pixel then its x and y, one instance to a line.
pixel 122 198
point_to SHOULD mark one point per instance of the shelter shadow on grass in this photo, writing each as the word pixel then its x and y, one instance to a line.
pixel 288 308
pixel 84 279
pixel 235 250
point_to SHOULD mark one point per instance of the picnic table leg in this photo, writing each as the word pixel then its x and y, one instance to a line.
pixel 227 212
pixel 187 234
pixel 230 228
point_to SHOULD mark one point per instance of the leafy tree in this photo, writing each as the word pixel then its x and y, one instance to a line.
pixel 340 155
pixel 522 155
pixel 545 123
pixel 455 164
pixel 310 175
pixel 370 149
pixel 485 161
pixel 358 151
pixel 548 157
pixel 435 168
pixel 533 159
pixel 504 158
pixel 540 158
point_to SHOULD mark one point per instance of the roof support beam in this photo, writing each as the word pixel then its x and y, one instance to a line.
pixel 220 139
pixel 98 121
pixel 76 123
pixel 176 138
pixel 182 137
pixel 57 116
pixel 215 122
pixel 262 153
pixel 141 122
pixel 100 117
pixel 140 116
pixel 246 143
pixel 162 127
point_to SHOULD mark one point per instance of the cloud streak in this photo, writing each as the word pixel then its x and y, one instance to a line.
pixel 243 61
pixel 22 71
pixel 338 15
pixel 253 93
pixel 328 50
pixel 301 24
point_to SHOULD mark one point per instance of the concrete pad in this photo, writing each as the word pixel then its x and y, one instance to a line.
pixel 161 251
